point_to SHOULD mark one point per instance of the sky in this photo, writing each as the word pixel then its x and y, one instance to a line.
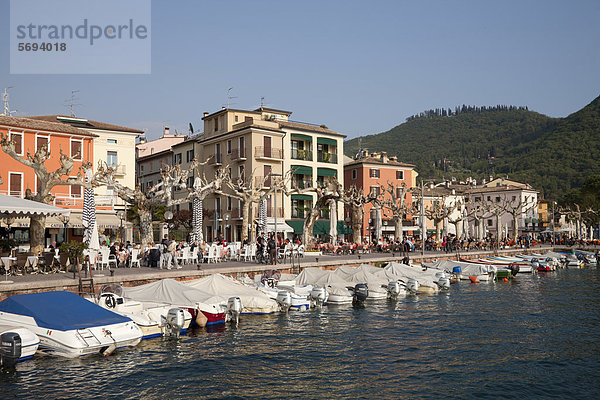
pixel 359 67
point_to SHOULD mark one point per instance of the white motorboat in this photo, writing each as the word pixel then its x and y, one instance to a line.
pixel 370 275
pixel 272 289
pixel 13 350
pixel 464 270
pixel 427 281
pixel 69 325
pixel 153 320
pixel 336 287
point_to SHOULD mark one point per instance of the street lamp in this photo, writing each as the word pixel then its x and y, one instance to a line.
pixel 553 230
pixel 65 220
pixel 121 215
pixel 275 205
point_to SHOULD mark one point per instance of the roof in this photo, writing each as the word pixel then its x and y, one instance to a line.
pixel 223 110
pixel 274 110
pixel 308 127
pixel 16 207
pixel 62 311
pixel 503 188
pixel 373 160
pixel 42 125
pixel 85 123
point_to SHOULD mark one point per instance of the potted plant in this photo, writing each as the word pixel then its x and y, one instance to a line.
pixel 75 251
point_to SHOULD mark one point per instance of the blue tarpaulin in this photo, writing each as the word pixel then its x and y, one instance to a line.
pixel 62 311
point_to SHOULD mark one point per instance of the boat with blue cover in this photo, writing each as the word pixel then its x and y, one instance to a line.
pixel 69 325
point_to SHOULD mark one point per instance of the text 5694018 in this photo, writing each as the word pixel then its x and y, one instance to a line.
pixel 43 46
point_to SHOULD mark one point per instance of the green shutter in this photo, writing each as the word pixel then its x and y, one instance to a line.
pixel 326 172
pixel 303 197
pixel 331 142
pixel 301 170
pixel 301 137
pixel 298 226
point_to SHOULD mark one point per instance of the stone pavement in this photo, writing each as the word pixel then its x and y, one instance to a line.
pixel 137 276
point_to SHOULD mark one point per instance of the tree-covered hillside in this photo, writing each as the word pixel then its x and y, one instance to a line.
pixel 552 154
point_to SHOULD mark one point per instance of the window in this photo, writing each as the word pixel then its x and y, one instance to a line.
pixel 236 118
pixel 497 199
pixel 77 149
pixel 150 184
pixel 189 155
pixel 489 198
pixel 15 184
pixel 111 141
pixel 218 207
pixel 374 173
pixel 514 198
pixel 489 222
pixel 190 181
pixel 229 146
pixel 230 172
pixel 218 152
pixel 177 158
pixel 111 159
pixel 298 208
pixel 375 190
pixel 228 203
pixel 17 139
pixel 75 190
pixel 477 198
pixel 267 175
pixel 190 206
pixel 241 172
pixel 177 208
pixel 398 193
pixel 216 124
pixel 142 167
pixel 242 144
pixel 354 173
pixel 400 175
pixel 42 141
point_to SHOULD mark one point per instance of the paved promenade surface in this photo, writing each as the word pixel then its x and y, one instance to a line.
pixel 136 276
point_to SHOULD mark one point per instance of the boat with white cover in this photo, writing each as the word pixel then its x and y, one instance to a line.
pixel 426 279
pixel 372 276
pixel 464 270
pixel 69 325
pixel 336 287
pixel 252 301
pixel 205 308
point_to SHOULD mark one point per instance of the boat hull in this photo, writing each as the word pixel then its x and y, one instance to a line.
pixel 29 341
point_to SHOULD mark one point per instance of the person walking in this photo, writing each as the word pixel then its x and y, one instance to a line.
pixel 271 247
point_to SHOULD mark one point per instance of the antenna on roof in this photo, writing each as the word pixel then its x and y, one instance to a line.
pixel 70 103
pixel 229 97
pixel 262 101
pixel 7 111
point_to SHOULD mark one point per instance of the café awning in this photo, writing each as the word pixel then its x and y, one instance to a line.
pixel 15 207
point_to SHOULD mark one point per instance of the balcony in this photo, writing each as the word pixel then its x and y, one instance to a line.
pixel 299 154
pixel 120 170
pixel 68 201
pixel 238 154
pixel 269 153
pixel 301 184
pixel 331 158
pixel 215 160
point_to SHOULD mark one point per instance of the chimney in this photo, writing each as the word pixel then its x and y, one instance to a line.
pixel 166 133
pixel 205 114
pixel 384 156
pixel 394 158
pixel 222 107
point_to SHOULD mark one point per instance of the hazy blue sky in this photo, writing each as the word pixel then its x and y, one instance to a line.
pixel 360 67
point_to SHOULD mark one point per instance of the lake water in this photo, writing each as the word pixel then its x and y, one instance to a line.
pixel 537 337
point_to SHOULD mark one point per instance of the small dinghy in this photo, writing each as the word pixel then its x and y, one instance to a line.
pixel 69 325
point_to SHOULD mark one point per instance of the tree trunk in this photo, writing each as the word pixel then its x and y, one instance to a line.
pixel 358 215
pixel 146 233
pixel 245 217
pixel 333 221
pixel 398 227
pixel 437 230
pixel 515 221
pixel 309 223
pixel 37 230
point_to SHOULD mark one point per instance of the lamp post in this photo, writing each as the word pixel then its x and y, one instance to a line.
pixel 65 220
pixel 121 215
pixel 553 230
pixel 275 205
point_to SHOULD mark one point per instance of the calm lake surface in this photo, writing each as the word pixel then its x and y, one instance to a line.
pixel 537 337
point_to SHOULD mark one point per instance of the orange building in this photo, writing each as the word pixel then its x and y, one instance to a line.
pixel 368 172
pixel 28 136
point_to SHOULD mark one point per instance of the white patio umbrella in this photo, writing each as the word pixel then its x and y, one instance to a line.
pixel 89 216
pixel 378 223
pixel 333 221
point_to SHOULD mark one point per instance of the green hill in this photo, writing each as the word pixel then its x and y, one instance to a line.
pixel 552 154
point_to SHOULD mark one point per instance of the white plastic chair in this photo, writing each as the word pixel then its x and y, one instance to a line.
pixel 193 256
pixel 134 258
pixel 183 258
pixel 211 255
pixel 107 259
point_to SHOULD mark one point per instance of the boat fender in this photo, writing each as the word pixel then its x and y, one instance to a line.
pixel 505 280
pixel 201 319
pixel 474 279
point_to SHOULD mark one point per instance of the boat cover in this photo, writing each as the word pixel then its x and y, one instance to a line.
pixel 404 272
pixel 364 274
pixel 468 269
pixel 172 292
pixel 253 301
pixel 328 279
pixel 61 311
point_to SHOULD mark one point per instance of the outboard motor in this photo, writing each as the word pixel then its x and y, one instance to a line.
pixel 535 263
pixel 270 282
pixel 284 299
pixel 413 285
pixel 10 349
pixel 492 270
pixel 361 292
pixel 234 309
pixel 442 280
pixel 174 322
pixel 318 296
pixel 514 269
pixel 394 289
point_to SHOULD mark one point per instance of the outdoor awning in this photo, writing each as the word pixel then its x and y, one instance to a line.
pixel 326 172
pixel 321 227
pixel 301 137
pixel 15 207
pixel 304 197
pixel 103 221
pixel 331 142
pixel 301 170
pixel 282 226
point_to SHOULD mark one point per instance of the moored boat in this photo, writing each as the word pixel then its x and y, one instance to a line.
pixel 28 343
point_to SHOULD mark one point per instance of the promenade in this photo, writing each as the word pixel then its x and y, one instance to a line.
pixel 138 276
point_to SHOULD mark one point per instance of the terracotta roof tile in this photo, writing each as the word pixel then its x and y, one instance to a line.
pixel 42 125
pixel 308 127
pixel 85 123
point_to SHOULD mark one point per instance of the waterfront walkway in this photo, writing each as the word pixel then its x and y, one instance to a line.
pixel 138 276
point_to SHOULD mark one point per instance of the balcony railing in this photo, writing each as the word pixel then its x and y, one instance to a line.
pixel 327 157
pixel 120 170
pixel 268 152
pixel 301 184
pixel 260 180
pixel 215 159
pixel 299 154
pixel 238 154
